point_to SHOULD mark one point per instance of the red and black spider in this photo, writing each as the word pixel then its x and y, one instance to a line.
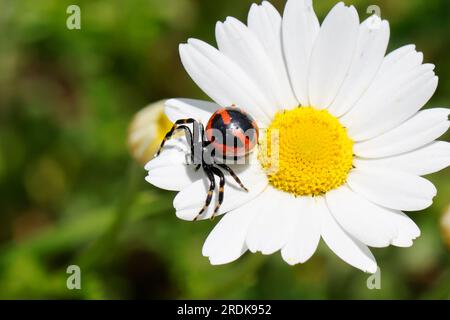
pixel 230 134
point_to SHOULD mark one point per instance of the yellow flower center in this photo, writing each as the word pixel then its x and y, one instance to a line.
pixel 306 152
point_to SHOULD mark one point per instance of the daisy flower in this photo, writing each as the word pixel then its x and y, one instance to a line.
pixel 352 145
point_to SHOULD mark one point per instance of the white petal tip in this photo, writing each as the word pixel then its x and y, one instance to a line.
pixel 372 269
pixel 269 251
pixel 402 243
pixel 185 215
pixel 218 262
pixel 266 4
pixel 148 166
pixel 291 262
pixel 148 179
pixel 182 49
pixel 231 20
pixel 193 41
pixel 339 5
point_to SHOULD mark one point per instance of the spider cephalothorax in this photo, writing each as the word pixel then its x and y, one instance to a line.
pixel 230 133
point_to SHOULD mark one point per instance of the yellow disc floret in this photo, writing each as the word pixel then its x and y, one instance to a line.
pixel 306 152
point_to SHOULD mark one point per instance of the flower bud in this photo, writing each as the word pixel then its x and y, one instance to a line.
pixel 146 131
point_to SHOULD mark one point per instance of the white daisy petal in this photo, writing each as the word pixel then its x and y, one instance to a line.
pixel 401 88
pixel 223 80
pixel 265 22
pixel 371 47
pixel 360 218
pixel 273 225
pixel 226 242
pixel 169 170
pixel 392 189
pixel 332 55
pixel 399 62
pixel 398 56
pixel 300 28
pixel 191 199
pixel 343 245
pixel 306 235
pixel 425 127
pixel 407 230
pixel 177 109
pixel 242 46
pixel 429 159
pixel 402 59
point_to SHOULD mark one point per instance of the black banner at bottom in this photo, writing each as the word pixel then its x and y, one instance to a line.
pixel 223 309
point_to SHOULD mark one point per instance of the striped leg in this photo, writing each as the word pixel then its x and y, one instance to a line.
pixel 180 124
pixel 212 186
pixel 219 173
pixel 231 172
pixel 189 139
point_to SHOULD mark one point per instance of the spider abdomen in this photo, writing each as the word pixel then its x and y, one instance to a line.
pixel 232 132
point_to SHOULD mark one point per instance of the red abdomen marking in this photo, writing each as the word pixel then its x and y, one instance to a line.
pixel 232 131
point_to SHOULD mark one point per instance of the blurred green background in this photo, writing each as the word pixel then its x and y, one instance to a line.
pixel 70 193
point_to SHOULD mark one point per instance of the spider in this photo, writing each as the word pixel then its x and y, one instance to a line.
pixel 231 133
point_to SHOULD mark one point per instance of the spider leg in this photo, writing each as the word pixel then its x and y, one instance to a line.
pixel 212 186
pixel 221 176
pixel 189 139
pixel 179 124
pixel 233 174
